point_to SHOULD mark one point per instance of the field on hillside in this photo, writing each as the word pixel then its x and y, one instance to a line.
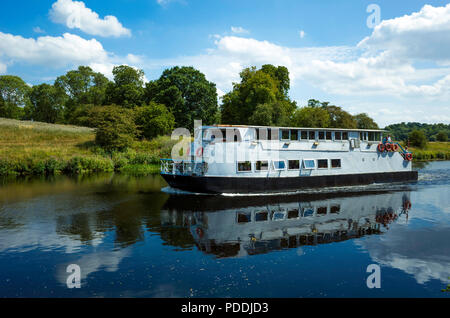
pixel 32 148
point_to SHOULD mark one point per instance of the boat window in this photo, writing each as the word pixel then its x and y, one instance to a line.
pixel 363 136
pixel 345 135
pixel 307 211
pixel 335 163
pixel 293 214
pixel 261 216
pixel 233 135
pixel 321 135
pixel 244 166
pixel 322 163
pixel 261 134
pixel 312 135
pixel 284 134
pixel 294 164
pixel 328 135
pixel 279 165
pixel 243 217
pixel 322 210
pixel 278 215
pixel 309 164
pixel 304 135
pixel 335 209
pixel 337 135
pixel 294 134
pixel 262 165
pixel 374 136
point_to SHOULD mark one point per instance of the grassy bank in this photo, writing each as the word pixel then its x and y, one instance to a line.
pixel 31 148
pixel 433 151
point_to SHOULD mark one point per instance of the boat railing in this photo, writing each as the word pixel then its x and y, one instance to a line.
pixel 183 167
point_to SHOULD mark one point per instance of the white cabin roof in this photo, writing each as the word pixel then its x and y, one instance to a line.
pixel 297 128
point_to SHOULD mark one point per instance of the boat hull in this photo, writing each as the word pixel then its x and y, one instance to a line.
pixel 206 184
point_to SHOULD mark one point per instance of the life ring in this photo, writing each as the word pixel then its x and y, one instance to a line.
pixel 408 156
pixel 199 152
pixel 394 147
pixel 381 148
pixel 407 205
pixel 199 232
pixel 388 147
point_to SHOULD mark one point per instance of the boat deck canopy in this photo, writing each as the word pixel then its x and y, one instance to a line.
pixel 298 128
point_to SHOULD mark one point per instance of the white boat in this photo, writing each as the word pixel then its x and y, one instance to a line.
pixel 256 159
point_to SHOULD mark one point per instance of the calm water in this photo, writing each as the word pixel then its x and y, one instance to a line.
pixel 130 238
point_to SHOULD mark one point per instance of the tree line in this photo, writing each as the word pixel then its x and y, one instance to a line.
pixel 127 107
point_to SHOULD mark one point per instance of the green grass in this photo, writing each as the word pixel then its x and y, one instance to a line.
pixel 433 151
pixel 32 148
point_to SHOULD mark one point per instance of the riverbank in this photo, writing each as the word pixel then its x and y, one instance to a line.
pixel 433 151
pixel 32 148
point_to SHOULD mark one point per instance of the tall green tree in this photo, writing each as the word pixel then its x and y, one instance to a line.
pixel 311 116
pixel 363 121
pixel 47 103
pixel 187 93
pixel 127 90
pixel 14 94
pixel 267 86
pixel 82 86
pixel 339 118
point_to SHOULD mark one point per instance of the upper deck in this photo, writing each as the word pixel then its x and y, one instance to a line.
pixel 240 133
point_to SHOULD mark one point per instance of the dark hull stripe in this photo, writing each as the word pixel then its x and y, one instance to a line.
pixel 262 185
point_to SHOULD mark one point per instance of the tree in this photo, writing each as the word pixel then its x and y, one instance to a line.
pixel 187 94
pixel 82 86
pixel 154 120
pixel 127 90
pixel 116 128
pixel 339 118
pixel 267 86
pixel 442 136
pixel 363 121
pixel 14 94
pixel 311 116
pixel 47 103
pixel 417 138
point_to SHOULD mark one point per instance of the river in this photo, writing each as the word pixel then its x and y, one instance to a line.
pixel 134 237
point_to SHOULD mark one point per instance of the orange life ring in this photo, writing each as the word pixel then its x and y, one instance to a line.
pixel 199 232
pixel 381 147
pixel 199 152
pixel 394 147
pixel 408 156
pixel 407 205
pixel 388 147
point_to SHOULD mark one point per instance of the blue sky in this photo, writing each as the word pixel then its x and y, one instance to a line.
pixel 398 71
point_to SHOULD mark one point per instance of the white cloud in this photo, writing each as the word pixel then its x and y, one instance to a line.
pixel 74 14
pixel 2 68
pixel 38 30
pixel 68 49
pixel 239 30
pixel 302 34
pixel 421 35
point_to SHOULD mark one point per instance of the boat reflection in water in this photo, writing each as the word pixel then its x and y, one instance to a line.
pixel 241 226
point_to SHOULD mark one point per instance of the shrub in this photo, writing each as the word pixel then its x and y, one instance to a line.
pixel 154 120
pixel 116 128
pixel 417 138
pixel 441 136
